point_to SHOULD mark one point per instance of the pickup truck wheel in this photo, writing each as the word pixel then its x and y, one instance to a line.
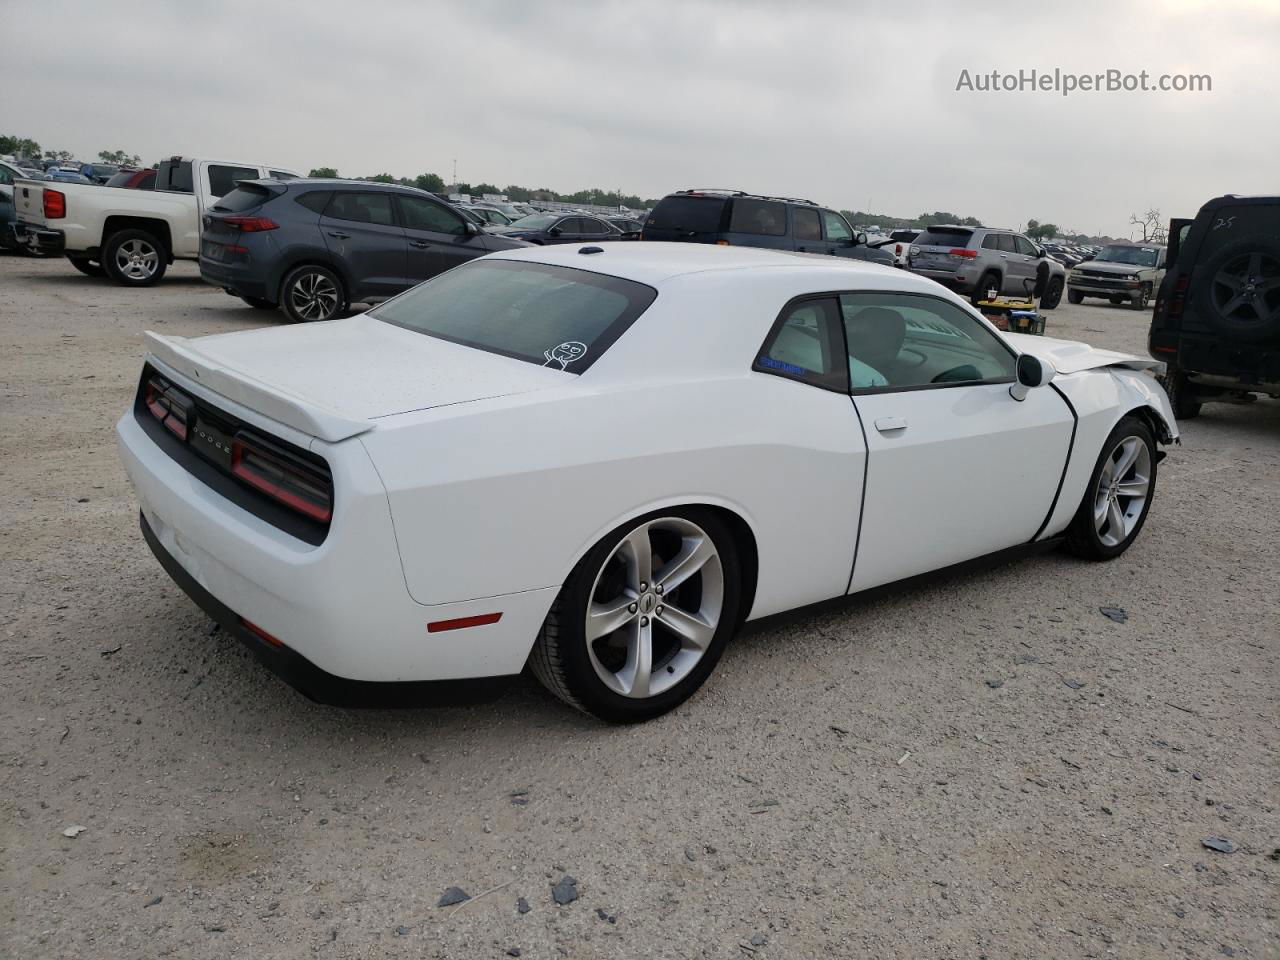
pixel 258 303
pixel 86 266
pixel 1182 394
pixel 1142 297
pixel 312 293
pixel 1052 294
pixel 1075 296
pixel 134 258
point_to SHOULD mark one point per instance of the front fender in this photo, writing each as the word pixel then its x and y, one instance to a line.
pixel 1142 390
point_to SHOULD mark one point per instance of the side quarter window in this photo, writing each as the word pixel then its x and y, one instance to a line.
pixel 903 341
pixel 806 344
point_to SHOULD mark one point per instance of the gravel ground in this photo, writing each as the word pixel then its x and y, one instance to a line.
pixel 983 767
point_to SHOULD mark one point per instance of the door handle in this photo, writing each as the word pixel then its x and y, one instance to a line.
pixel 420 244
pixel 890 424
pixel 339 235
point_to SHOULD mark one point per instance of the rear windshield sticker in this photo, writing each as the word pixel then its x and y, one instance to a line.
pixel 565 353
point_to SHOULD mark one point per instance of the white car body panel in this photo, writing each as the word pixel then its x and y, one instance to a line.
pixel 468 483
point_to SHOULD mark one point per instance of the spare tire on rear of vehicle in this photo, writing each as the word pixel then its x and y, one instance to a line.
pixel 1239 292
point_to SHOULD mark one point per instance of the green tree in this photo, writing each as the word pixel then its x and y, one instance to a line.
pixel 328 173
pixel 20 146
pixel 480 188
pixel 380 178
pixel 462 188
pixel 430 182
pixel 119 157
pixel 1041 231
pixel 58 156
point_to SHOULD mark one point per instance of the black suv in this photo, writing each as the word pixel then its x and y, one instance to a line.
pixel 313 247
pixel 732 217
pixel 1216 321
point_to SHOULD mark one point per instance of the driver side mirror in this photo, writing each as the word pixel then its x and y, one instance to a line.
pixel 472 229
pixel 859 239
pixel 1032 372
pixel 554 232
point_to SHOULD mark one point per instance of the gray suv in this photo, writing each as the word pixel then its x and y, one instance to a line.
pixel 976 260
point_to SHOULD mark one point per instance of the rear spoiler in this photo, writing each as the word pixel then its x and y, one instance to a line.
pixel 181 354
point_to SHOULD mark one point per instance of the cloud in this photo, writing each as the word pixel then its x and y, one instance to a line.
pixel 850 104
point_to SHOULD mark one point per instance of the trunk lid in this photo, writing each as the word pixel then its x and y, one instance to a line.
pixel 28 199
pixel 931 250
pixel 333 380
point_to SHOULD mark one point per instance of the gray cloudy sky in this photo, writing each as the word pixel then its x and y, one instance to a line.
pixel 848 103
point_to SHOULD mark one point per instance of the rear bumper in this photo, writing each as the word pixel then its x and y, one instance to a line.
pixel 961 281
pixel 36 239
pixel 1218 362
pixel 238 281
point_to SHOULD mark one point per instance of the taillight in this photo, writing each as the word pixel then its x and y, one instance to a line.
pixel 1179 298
pixel 962 252
pixel 282 476
pixel 55 204
pixel 169 407
pixel 251 224
pixel 897 249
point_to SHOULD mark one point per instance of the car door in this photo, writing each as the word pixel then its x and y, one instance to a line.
pixel 838 235
pixel 956 467
pixel 806 229
pixel 595 230
pixel 439 238
pixel 570 231
pixel 1026 258
pixel 360 228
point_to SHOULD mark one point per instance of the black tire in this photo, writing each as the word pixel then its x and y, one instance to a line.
pixel 560 658
pixel 1117 299
pixel 1256 317
pixel 1075 296
pixel 989 280
pixel 86 266
pixel 300 306
pixel 1142 297
pixel 1083 538
pixel 118 263
pixel 258 303
pixel 1182 394
pixel 1052 294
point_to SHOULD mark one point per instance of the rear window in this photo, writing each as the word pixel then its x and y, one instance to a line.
pixel 764 218
pixel 222 179
pixel 175 176
pixel 904 236
pixel 688 214
pixel 244 197
pixel 556 317
pixel 936 237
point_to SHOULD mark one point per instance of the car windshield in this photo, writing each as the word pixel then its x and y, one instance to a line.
pixel 556 317
pixel 1138 256
pixel 536 221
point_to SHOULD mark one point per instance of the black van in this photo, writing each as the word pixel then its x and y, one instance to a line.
pixel 1216 321
pixel 732 217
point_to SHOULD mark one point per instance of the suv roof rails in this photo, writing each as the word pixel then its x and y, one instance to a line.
pixel 744 193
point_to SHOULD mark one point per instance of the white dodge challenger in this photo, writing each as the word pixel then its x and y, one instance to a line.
pixel 599 461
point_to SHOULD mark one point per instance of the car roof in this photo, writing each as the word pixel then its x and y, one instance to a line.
pixel 726 192
pixel 654 262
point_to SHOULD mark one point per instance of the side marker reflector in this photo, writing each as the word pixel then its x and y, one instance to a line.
pixel 461 623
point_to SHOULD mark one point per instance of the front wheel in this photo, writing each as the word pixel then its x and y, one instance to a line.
pixel 1142 297
pixel 312 293
pixel 643 617
pixel 1075 296
pixel 1052 294
pixel 986 283
pixel 1119 494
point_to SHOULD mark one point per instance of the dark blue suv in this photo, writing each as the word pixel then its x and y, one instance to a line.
pixel 314 247
pixel 734 217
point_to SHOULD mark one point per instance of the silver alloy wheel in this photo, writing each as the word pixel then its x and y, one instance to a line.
pixel 1124 484
pixel 314 297
pixel 137 259
pixel 647 628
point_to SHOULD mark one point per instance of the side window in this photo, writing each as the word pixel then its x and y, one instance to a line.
pixel 282 175
pixel 807 225
pixel 419 214
pixel 1006 243
pixel 991 241
pixel 765 218
pixel 362 208
pixel 222 179
pixel 1160 259
pixel 1025 246
pixel 899 341
pixel 837 227
pixel 570 225
pixel 593 227
pixel 316 200
pixel 5 176
pixel 175 176
pixel 805 344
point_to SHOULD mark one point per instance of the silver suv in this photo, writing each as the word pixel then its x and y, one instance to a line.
pixel 977 260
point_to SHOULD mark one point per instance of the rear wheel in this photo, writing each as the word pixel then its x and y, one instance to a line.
pixel 258 303
pixel 312 293
pixel 1119 494
pixel 1052 294
pixel 134 258
pixel 86 266
pixel 1182 394
pixel 988 282
pixel 643 618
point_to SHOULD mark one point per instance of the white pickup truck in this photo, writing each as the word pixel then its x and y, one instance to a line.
pixel 130 236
